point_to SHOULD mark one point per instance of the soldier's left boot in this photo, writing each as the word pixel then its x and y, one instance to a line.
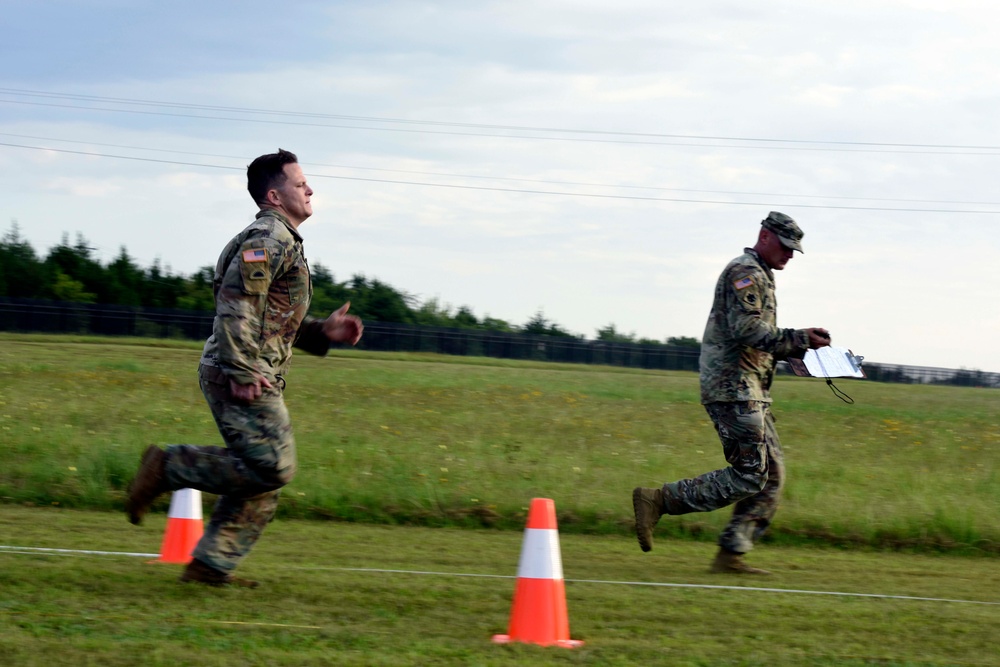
pixel 202 573
pixel 648 507
pixel 729 562
pixel 149 482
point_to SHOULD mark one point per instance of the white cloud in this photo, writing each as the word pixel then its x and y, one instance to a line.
pixel 79 187
pixel 825 95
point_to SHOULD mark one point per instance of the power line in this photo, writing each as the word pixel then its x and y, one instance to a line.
pixel 522 191
pixel 120 157
pixel 521 128
pixel 517 179
pixel 982 151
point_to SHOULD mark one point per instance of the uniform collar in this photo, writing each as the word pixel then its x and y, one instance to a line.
pixel 763 265
pixel 274 213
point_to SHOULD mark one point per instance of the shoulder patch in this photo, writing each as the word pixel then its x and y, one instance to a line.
pixel 743 283
pixel 255 255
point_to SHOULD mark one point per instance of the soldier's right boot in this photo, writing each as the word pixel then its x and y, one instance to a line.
pixel 730 562
pixel 202 573
pixel 149 482
pixel 648 507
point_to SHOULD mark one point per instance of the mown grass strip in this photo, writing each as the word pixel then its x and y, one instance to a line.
pixel 122 611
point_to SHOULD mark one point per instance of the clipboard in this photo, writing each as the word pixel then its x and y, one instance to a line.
pixel 828 362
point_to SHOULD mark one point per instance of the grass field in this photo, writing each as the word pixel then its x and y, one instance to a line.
pixel 312 609
pixel 894 496
pixel 444 441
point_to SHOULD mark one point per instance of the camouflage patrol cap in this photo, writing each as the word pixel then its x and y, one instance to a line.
pixel 785 229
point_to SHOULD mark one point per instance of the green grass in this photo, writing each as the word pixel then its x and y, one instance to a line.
pixel 445 441
pixel 313 610
pixel 457 443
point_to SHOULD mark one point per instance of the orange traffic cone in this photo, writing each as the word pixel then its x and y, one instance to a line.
pixel 184 527
pixel 538 615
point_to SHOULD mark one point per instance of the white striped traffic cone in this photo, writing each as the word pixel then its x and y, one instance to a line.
pixel 184 527
pixel 538 615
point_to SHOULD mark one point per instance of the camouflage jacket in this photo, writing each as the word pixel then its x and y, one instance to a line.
pixel 742 341
pixel 262 293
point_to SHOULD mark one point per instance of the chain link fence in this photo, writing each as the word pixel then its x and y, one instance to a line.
pixel 32 316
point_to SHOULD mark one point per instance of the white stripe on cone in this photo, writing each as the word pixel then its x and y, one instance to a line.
pixel 540 555
pixel 185 504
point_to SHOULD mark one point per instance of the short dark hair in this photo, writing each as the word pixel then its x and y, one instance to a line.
pixel 268 171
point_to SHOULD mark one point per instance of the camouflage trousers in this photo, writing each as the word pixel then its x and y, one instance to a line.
pixel 246 475
pixel 753 479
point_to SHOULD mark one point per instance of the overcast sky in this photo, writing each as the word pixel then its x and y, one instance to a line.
pixel 599 162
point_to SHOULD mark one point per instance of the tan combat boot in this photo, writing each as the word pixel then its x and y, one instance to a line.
pixel 148 483
pixel 727 562
pixel 201 573
pixel 648 507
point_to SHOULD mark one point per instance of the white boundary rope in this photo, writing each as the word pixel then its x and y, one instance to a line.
pixel 371 570
pixel 43 550
pixel 670 585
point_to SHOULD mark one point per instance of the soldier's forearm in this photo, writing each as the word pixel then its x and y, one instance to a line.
pixel 792 344
pixel 311 338
pixel 781 343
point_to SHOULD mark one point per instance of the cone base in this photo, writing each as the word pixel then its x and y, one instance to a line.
pixel 181 538
pixel 538 615
pixel 561 643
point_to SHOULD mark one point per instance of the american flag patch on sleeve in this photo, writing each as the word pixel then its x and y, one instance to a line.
pixel 255 255
pixel 743 283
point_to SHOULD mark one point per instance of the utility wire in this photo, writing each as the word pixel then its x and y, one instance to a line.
pixel 517 190
pixel 516 179
pixel 521 128
pixel 986 151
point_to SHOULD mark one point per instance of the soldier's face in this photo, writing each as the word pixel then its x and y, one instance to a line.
pixel 294 195
pixel 774 252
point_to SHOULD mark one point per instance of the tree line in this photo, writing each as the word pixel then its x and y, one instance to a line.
pixel 71 273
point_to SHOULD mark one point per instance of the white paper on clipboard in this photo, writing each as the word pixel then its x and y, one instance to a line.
pixel 833 362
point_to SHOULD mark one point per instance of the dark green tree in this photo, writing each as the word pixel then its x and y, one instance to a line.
pixel 465 319
pixel 612 335
pixel 64 288
pixel 378 301
pixel 161 288
pixel 328 294
pixel 495 324
pixel 683 341
pixel 21 272
pixel 198 291
pixel 538 325
pixel 432 314
pixel 72 273
pixel 126 280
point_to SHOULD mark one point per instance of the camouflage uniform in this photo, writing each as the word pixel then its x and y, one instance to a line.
pixel 738 354
pixel 262 293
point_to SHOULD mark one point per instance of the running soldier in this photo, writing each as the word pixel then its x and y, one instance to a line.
pixel 738 353
pixel 262 294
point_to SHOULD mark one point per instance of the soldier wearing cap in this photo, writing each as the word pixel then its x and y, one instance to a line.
pixel 739 349
pixel 262 294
